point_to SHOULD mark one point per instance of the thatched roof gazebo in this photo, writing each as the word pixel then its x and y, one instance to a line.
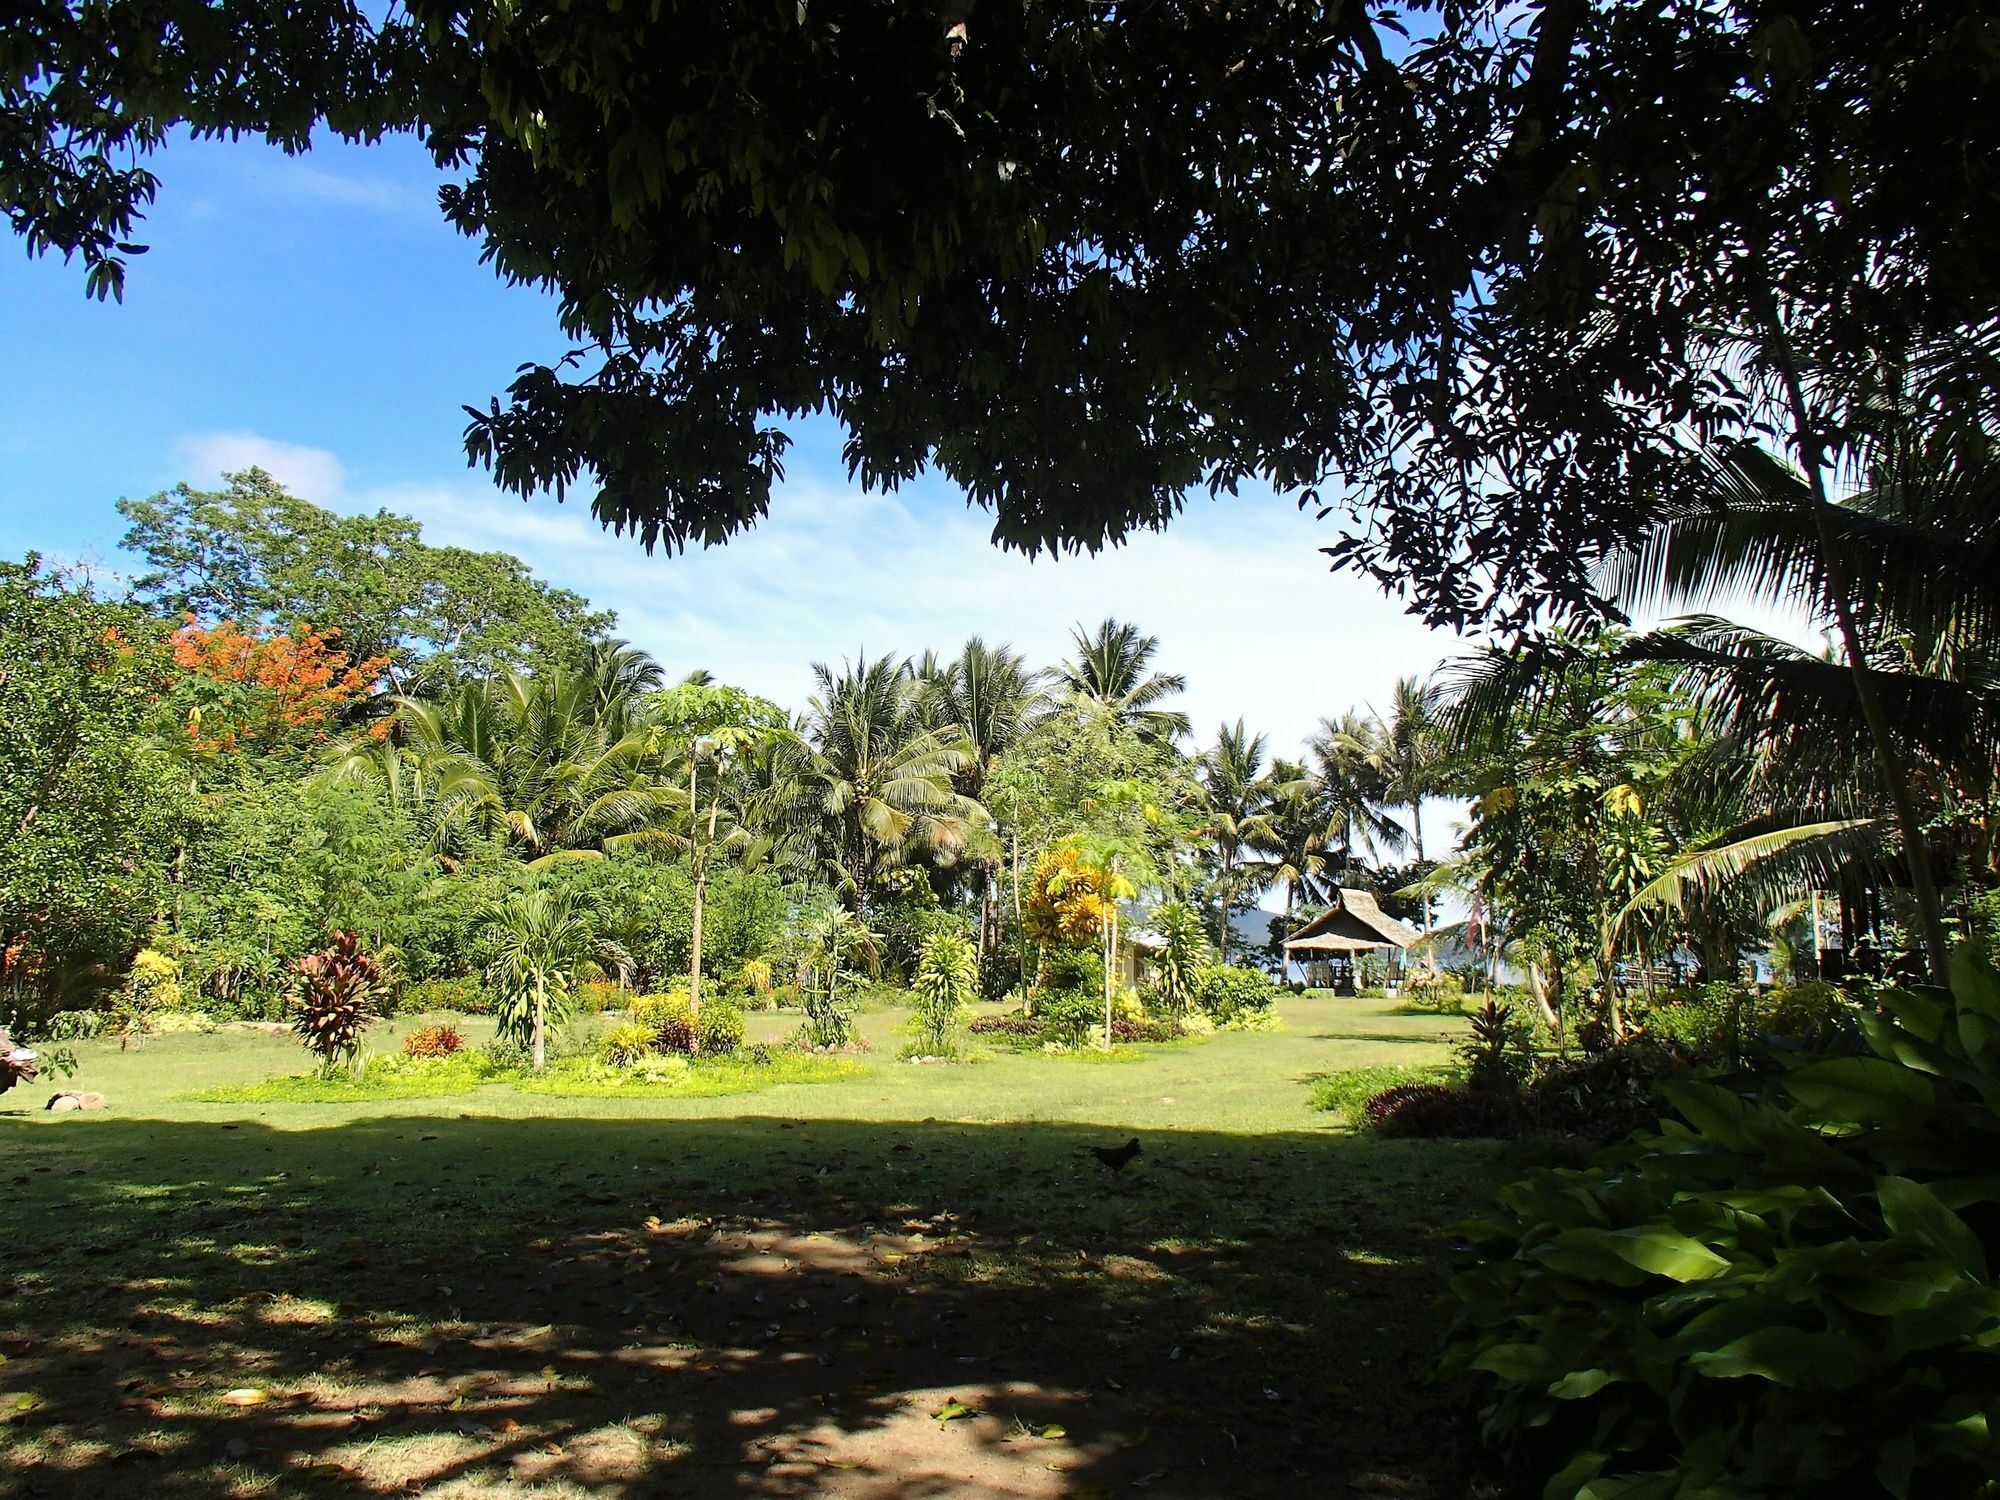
pixel 1353 925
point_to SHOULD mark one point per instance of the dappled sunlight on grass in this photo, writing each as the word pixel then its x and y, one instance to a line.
pixel 911 1282
pixel 760 1306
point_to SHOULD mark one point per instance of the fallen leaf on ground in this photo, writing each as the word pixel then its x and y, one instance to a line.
pixel 246 1395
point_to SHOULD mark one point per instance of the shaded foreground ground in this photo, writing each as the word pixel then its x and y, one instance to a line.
pixel 458 1303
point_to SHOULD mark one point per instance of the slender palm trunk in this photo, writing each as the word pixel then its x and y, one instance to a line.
pixel 1417 832
pixel 1889 758
pixel 1228 900
pixel 1110 955
pixel 694 938
pixel 540 1041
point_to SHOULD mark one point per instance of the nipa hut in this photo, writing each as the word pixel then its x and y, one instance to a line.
pixel 1326 947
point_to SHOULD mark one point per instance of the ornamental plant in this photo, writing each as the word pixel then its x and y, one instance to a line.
pixel 1788 1292
pixel 433 1041
pixel 1183 954
pixel 945 984
pixel 334 995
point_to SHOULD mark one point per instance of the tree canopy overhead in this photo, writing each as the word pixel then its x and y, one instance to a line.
pixel 1467 273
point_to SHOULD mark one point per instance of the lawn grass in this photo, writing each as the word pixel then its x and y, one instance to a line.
pixel 799 1291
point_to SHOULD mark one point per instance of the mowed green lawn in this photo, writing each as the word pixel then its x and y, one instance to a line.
pixel 913 1282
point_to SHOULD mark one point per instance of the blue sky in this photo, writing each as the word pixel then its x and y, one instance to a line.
pixel 316 316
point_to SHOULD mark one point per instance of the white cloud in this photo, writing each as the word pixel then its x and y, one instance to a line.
pixel 310 472
pixel 273 174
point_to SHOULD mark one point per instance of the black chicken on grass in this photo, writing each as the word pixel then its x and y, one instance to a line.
pixel 1117 1158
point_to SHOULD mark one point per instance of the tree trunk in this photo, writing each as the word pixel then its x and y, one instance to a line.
pixel 1888 755
pixel 1110 951
pixel 1417 830
pixel 540 1048
pixel 694 941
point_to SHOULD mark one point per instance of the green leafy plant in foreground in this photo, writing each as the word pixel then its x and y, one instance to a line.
pixel 1781 1295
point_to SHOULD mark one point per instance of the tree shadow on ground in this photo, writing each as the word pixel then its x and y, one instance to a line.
pixel 483 1306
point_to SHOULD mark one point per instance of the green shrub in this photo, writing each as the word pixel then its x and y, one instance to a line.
pixel 1070 1016
pixel 1497 1055
pixel 181 1023
pixel 75 1025
pixel 829 1022
pixel 654 1076
pixel 1812 1012
pixel 718 1030
pixel 514 1054
pixel 1345 1094
pixel 1788 1294
pixel 1071 969
pixel 466 996
pixel 626 1045
pixel 1229 992
pixel 154 985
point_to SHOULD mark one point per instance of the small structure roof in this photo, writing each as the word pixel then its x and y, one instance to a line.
pixel 1355 923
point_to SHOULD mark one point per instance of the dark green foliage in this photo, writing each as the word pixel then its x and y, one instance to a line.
pixel 90 813
pixel 1787 1294
pixel 1436 1111
pixel 1603 1095
pixel 254 554
pixel 1070 1015
pixel 334 997
pixel 1496 1056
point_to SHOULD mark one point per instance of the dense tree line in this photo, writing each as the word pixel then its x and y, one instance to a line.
pixel 254 749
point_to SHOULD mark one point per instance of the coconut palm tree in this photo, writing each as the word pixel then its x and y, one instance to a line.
pixel 1406 750
pixel 868 786
pixel 991 698
pixel 557 766
pixel 1112 666
pixel 1900 569
pixel 1353 790
pixel 1292 836
pixel 1237 815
